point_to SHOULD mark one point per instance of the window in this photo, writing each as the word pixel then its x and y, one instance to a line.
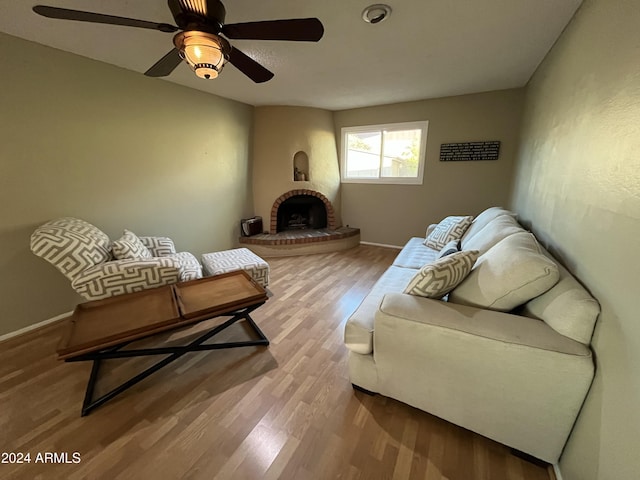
pixel 392 153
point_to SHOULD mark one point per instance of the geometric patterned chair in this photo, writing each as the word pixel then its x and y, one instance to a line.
pixel 99 268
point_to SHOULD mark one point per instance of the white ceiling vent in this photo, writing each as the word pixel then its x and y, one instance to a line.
pixel 376 13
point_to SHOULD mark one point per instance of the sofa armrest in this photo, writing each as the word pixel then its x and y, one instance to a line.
pixel 509 378
pixel 190 268
pixel 490 324
pixel 126 276
pixel 159 246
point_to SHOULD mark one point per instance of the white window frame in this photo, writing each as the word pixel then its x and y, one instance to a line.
pixel 388 127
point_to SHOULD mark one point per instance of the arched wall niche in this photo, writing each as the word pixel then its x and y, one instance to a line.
pixel 301 167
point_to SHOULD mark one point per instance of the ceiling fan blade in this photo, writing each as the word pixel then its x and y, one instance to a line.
pixel 66 14
pixel 165 65
pixel 249 66
pixel 297 30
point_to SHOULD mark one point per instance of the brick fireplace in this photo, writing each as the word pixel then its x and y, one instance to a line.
pixel 302 221
pixel 302 209
pixel 295 152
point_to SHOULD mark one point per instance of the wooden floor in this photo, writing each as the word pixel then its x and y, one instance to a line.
pixel 283 412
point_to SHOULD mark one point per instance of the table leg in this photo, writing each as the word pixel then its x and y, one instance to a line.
pixel 174 353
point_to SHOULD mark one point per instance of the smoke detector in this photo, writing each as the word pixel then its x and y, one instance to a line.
pixel 376 13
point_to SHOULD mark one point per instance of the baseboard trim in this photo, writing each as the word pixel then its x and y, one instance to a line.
pixel 529 458
pixel 381 245
pixel 556 471
pixel 35 326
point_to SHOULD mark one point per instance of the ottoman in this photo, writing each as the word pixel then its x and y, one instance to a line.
pixel 237 259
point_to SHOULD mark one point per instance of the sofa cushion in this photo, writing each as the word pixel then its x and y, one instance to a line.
pixel 451 228
pixel 436 279
pixel 358 331
pixel 483 218
pixel 415 254
pixel 71 245
pixel 567 307
pixel 494 231
pixel 452 247
pixel 130 247
pixel 511 273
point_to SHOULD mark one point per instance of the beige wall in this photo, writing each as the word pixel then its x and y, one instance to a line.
pixel 578 186
pixel 391 214
pixel 281 132
pixel 120 150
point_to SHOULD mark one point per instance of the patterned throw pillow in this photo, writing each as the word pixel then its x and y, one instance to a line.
pixel 436 279
pixel 452 247
pixel 451 228
pixel 159 246
pixel 130 247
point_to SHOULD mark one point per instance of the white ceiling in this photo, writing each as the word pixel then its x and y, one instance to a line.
pixel 425 49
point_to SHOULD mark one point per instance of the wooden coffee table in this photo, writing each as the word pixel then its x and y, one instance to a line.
pixel 100 330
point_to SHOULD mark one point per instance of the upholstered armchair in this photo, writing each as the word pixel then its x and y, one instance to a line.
pixel 99 268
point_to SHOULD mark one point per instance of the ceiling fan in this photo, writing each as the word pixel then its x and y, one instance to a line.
pixel 199 39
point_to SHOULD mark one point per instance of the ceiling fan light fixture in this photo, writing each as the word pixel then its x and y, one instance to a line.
pixel 205 53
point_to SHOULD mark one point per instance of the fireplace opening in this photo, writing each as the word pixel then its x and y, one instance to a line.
pixel 301 212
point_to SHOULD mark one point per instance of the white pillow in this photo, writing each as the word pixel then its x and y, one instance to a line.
pixel 490 213
pixel 509 274
pixel 130 247
pixel 451 228
pixel 483 218
pixel 494 231
pixel 435 280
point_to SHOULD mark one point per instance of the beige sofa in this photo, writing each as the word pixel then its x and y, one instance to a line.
pixel 518 377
